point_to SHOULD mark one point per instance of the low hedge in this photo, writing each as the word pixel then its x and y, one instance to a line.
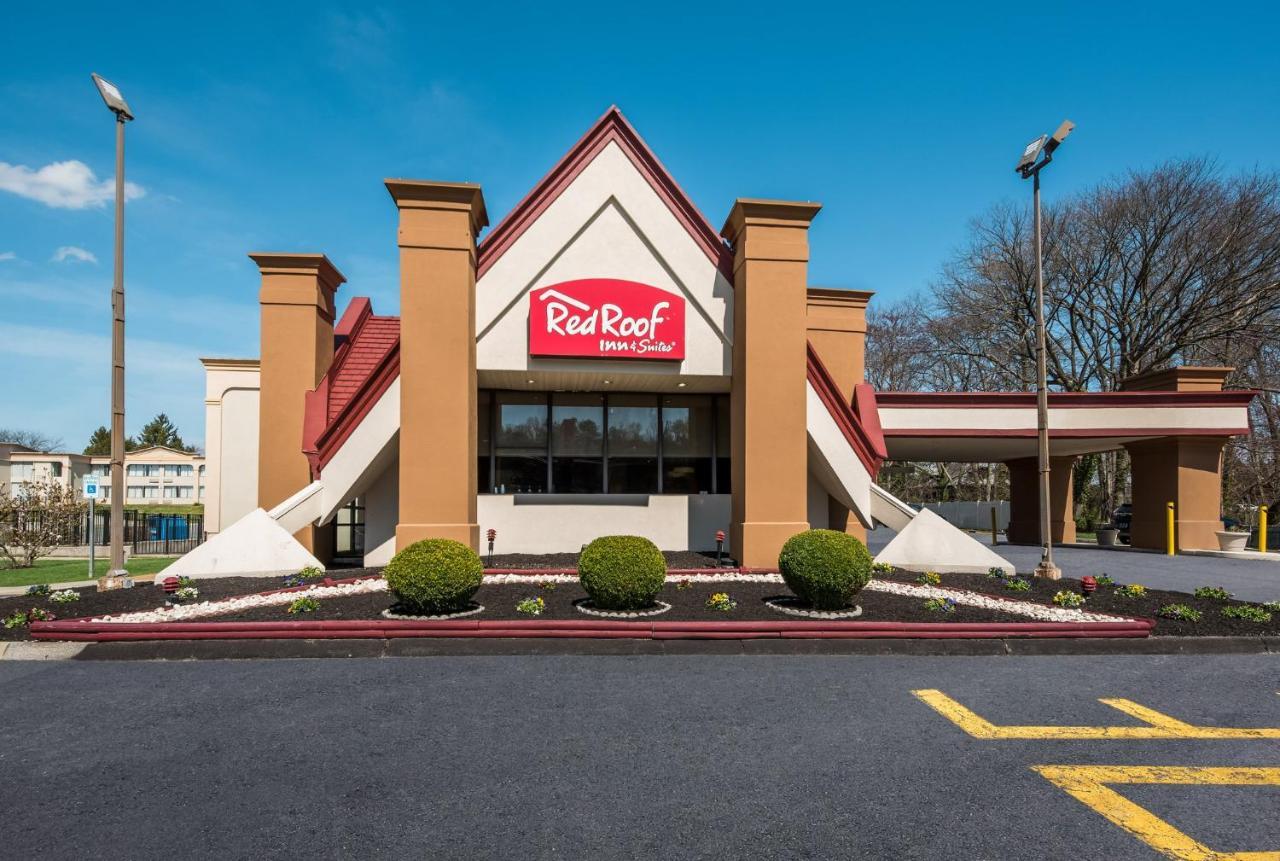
pixel 622 572
pixel 435 576
pixel 825 568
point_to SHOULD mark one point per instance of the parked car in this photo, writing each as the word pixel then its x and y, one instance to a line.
pixel 1122 517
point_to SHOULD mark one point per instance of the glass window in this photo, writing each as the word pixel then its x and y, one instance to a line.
pixel 577 443
pixel 484 442
pixel 723 444
pixel 56 469
pixel 687 429
pixel 633 444
pixel 349 532
pixel 521 443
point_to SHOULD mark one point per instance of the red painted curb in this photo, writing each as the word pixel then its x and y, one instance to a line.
pixel 388 628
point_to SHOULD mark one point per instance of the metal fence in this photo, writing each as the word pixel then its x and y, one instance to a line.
pixel 145 532
pixel 972 515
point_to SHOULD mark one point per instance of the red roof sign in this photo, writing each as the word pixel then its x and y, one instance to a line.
pixel 606 318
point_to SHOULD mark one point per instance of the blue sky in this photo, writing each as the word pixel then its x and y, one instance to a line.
pixel 271 127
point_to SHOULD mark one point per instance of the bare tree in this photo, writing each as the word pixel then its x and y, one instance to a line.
pixel 30 439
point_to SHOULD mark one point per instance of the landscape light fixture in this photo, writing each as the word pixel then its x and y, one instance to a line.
pixel 1035 157
pixel 116 574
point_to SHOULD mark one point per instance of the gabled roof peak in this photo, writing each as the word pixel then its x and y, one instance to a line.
pixel 611 127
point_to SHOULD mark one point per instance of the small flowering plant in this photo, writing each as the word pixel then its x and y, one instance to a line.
pixel 187 593
pixel 881 568
pixel 291 580
pixel 16 619
pixel 1105 579
pixel 38 589
pixel 186 582
pixel 1133 590
pixel 684 584
pixel 549 585
pixel 722 602
pixel 930 578
pixel 311 572
pixel 64 596
pixel 994 573
pixel 532 606
pixel 1246 613
pixel 1017 584
pixel 36 614
pixel 303 605
pixel 940 605
pixel 1271 606
pixel 1212 593
pixel 1068 599
pixel 1181 612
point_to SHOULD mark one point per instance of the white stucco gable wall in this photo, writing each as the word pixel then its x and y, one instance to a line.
pixel 608 223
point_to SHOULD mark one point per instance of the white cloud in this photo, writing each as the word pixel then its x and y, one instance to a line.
pixel 73 253
pixel 7 255
pixel 63 185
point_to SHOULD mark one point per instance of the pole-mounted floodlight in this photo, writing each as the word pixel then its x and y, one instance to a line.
pixel 112 96
pixel 115 102
pixel 1035 156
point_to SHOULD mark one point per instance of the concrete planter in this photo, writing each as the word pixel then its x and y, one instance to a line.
pixel 1108 536
pixel 1232 540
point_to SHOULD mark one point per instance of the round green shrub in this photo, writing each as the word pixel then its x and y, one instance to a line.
pixel 825 568
pixel 435 576
pixel 622 572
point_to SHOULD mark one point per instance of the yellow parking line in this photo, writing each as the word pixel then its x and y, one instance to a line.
pixel 1159 725
pixel 1086 783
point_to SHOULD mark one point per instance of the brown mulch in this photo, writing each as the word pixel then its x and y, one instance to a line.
pixel 1106 600
pixel 144 596
pixel 687 605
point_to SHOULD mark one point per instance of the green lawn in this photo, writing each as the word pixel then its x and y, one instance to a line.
pixel 69 570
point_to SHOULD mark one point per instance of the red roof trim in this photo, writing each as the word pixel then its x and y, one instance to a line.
pixel 1059 433
pixel 1062 400
pixel 870 451
pixel 612 127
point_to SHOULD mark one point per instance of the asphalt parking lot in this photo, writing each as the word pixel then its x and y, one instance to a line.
pixel 697 756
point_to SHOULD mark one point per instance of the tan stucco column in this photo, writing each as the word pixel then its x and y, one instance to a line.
pixel 439 222
pixel 1024 500
pixel 836 324
pixel 297 313
pixel 1186 471
pixel 768 439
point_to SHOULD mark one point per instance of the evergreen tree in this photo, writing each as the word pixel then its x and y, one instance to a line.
pixel 161 431
pixel 99 442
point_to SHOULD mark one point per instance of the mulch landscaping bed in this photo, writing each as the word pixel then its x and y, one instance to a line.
pixel 144 596
pixel 1105 600
pixel 687 605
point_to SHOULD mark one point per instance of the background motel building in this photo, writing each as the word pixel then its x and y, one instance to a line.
pixel 155 475
pixel 604 361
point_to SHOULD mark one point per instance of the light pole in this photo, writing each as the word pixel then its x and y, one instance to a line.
pixel 116 104
pixel 1035 157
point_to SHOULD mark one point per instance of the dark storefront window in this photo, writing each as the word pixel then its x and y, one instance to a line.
pixel 687 433
pixel 535 442
pixel 484 443
pixel 521 443
pixel 723 479
pixel 577 443
pixel 633 444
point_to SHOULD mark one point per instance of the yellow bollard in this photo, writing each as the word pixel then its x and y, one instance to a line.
pixel 1169 527
pixel 1262 529
pixel 995 530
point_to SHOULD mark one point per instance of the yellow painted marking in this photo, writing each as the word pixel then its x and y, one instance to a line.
pixel 1086 783
pixel 1158 726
